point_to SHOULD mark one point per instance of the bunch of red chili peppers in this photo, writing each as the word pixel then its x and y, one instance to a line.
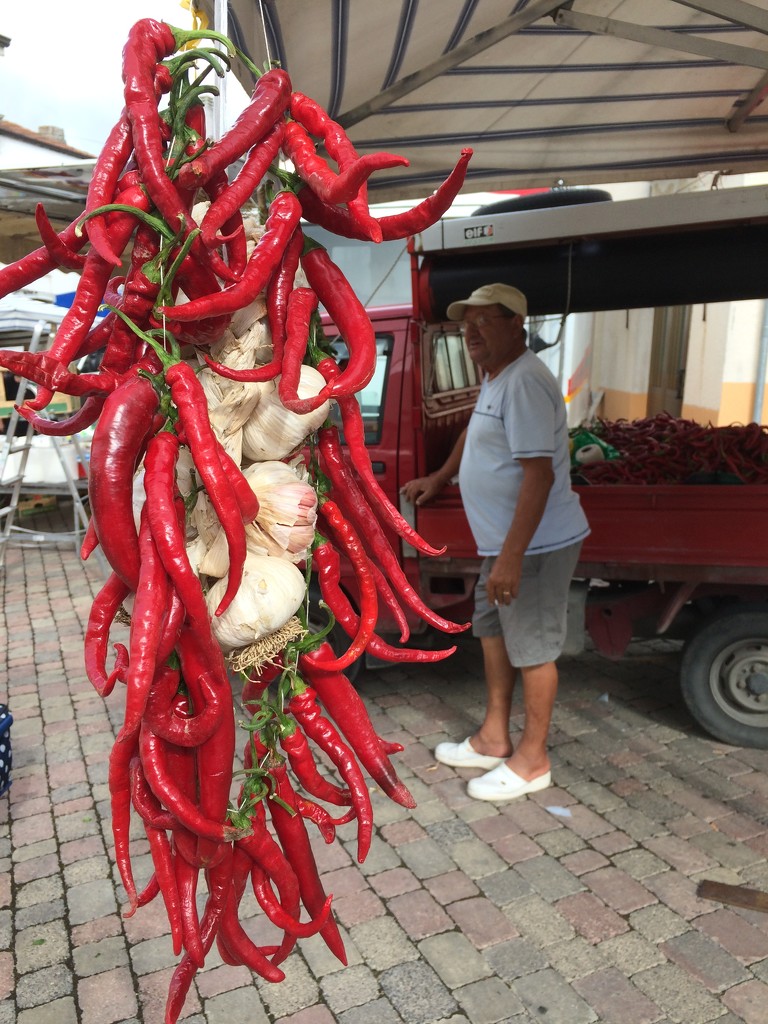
pixel 172 286
pixel 666 449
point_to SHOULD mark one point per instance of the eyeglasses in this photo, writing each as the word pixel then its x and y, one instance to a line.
pixel 484 320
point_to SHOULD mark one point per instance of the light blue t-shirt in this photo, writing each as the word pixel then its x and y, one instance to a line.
pixel 519 414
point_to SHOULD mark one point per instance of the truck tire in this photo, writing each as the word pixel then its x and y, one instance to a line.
pixel 724 676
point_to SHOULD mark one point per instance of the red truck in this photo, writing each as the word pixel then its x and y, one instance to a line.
pixel 662 560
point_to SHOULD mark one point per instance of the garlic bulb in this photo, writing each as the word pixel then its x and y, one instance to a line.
pixel 271 592
pixel 287 508
pixel 272 432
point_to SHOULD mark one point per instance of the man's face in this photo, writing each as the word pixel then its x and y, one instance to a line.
pixel 492 335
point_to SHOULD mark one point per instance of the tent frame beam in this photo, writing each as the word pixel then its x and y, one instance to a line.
pixel 477 44
pixel 648 36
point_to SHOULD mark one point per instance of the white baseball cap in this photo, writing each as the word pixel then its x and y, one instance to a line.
pixel 491 295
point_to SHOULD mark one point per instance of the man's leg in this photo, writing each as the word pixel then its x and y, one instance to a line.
pixel 492 738
pixel 531 757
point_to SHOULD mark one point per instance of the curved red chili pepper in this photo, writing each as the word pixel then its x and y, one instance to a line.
pixel 354 438
pixel 268 103
pixel 189 397
pixel 292 833
pixel 346 707
pixel 283 218
pixel 102 614
pixel 302 304
pixel 350 317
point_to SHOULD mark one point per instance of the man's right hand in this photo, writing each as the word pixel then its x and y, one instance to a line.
pixel 422 489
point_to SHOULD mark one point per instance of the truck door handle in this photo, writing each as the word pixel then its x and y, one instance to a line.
pixel 379 467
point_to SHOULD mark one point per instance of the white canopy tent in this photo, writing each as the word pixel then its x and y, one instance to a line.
pixel 588 91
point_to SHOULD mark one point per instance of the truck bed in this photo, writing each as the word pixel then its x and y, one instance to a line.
pixel 703 532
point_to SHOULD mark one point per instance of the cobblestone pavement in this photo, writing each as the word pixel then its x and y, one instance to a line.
pixel 575 905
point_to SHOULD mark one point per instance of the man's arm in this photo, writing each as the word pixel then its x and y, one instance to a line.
pixel 538 477
pixel 424 488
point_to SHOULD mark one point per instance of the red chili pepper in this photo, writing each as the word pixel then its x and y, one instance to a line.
pixel 152 596
pixel 231 198
pixel 295 744
pixel 353 503
pixel 85 416
pixel 326 560
pixel 105 607
pixel 301 307
pixel 123 751
pixel 117 445
pixel 263 892
pixel 340 148
pixel 112 158
pixel 187 876
pixel 305 709
pixel 38 263
pixel 398 225
pixel 185 730
pixel 51 373
pixel 279 288
pixel 349 316
pixel 346 707
pixel 189 397
pixel 63 254
pixel 268 103
pixel 354 438
pixel 284 216
pixel 292 833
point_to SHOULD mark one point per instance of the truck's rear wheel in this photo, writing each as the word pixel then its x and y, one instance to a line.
pixel 724 676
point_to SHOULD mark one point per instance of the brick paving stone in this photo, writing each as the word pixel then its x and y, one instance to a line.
pixel 549 878
pixel 495 827
pixel 454 958
pixel 6 975
pixel 575 958
pixel 560 842
pixel 417 992
pixel 237 1005
pixel 734 934
pixel 618 890
pixel 515 958
pixel 631 952
pixel 612 843
pixel 726 851
pixel 383 943
pixel 537 919
pixel 679 893
pixel 380 1011
pixel 583 861
pixel 41 946
pixel 590 917
pixel 488 1001
pixel 548 997
pixel 42 987
pixel 425 858
pixel 748 1000
pixel 476 859
pixel 298 990
pixel 615 999
pixel 450 887
pixel 397 881
pixel 680 854
pixel 639 863
pixel 354 986
pixel 516 847
pixel 481 922
pixel 60 1011
pixel 504 888
pixel 739 826
pixel 419 914
pixel 213 980
pixel 705 960
pixel 677 994
pixel 317 1014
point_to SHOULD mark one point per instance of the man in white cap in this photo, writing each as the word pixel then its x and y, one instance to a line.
pixel 514 474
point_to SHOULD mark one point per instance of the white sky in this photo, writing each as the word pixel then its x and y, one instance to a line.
pixel 63 66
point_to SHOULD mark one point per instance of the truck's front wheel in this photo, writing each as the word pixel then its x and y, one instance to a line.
pixel 724 676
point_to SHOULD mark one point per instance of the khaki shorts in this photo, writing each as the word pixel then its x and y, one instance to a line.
pixel 534 624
